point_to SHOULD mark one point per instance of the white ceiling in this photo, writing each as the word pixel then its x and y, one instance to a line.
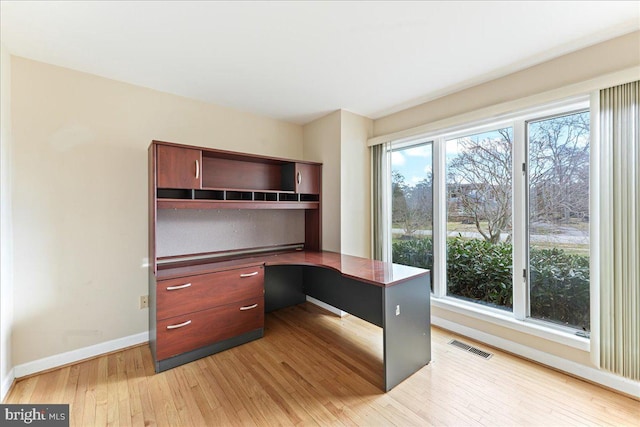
pixel 297 61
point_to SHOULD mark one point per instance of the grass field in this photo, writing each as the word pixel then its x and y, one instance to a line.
pixel 575 226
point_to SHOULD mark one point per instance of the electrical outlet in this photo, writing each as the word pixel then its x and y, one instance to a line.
pixel 144 301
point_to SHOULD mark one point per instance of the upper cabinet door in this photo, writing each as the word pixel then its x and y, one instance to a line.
pixel 179 167
pixel 307 178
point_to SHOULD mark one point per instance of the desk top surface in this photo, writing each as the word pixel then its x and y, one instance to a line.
pixel 367 270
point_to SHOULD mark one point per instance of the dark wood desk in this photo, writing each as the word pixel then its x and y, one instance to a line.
pixel 391 296
pixel 200 308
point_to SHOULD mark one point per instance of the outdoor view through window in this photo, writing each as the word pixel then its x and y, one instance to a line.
pixel 412 206
pixel 559 219
pixel 553 233
pixel 479 226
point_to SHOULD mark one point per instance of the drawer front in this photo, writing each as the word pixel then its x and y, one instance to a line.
pixel 192 331
pixel 188 294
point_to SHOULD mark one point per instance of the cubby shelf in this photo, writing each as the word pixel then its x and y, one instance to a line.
pixel 232 204
pixel 230 198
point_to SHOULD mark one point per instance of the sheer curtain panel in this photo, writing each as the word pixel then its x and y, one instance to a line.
pixel 619 305
pixel 381 165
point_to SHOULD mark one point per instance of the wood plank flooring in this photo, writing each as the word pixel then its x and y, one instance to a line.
pixel 313 368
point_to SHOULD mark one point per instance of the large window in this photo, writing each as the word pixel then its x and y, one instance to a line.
pixel 500 213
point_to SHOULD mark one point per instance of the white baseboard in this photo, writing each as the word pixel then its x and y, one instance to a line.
pixel 6 384
pixel 589 373
pixel 326 306
pixel 62 359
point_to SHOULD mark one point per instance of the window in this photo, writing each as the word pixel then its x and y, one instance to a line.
pixel 505 205
pixel 558 223
pixel 479 217
pixel 412 205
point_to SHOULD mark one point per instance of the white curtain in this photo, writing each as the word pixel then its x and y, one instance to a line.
pixel 619 156
pixel 381 166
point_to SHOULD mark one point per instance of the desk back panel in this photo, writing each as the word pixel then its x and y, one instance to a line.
pixel 283 286
pixel 363 300
pixel 194 231
pixel 407 329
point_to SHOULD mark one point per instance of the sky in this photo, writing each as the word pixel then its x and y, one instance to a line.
pixel 414 163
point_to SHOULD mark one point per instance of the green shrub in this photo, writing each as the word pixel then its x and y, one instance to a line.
pixel 560 287
pixel 415 252
pixel 481 271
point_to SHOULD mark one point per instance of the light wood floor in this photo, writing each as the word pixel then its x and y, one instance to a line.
pixel 313 368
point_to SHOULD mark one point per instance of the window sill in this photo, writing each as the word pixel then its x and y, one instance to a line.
pixel 530 327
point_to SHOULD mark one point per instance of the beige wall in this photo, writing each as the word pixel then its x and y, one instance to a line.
pixel 339 141
pixel 604 58
pixel 322 144
pixel 6 240
pixel 80 197
pixel 355 185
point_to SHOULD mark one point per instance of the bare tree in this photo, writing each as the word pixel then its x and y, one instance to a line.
pixel 480 182
pixel 422 198
pixel 559 167
pixel 481 178
pixel 401 214
pixel 412 206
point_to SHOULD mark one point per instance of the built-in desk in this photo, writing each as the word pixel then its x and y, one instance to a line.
pixel 391 296
pixel 206 294
pixel 377 273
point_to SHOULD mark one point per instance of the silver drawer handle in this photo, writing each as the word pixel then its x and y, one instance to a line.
pixel 173 288
pixel 248 307
pixel 179 325
pixel 249 274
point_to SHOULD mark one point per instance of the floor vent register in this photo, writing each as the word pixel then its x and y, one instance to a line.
pixel 470 349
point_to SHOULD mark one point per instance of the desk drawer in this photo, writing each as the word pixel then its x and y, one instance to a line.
pixel 192 331
pixel 176 297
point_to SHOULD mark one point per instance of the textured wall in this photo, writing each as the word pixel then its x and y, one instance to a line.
pixel 181 232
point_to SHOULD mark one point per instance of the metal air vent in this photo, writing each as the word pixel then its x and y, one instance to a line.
pixel 467 347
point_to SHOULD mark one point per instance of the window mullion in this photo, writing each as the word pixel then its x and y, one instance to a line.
pixel 387 204
pixel 520 264
pixel 439 219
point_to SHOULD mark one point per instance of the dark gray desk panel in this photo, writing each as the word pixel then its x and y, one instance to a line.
pixel 407 331
pixel 283 287
pixel 360 299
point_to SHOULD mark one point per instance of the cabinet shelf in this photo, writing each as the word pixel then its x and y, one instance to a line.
pixel 256 190
pixel 233 204
pixel 262 199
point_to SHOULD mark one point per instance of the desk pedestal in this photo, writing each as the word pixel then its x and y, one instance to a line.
pixel 401 310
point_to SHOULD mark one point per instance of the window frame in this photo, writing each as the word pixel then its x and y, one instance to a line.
pixel 519 318
pixel 486 127
pixel 578 107
pixel 403 145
